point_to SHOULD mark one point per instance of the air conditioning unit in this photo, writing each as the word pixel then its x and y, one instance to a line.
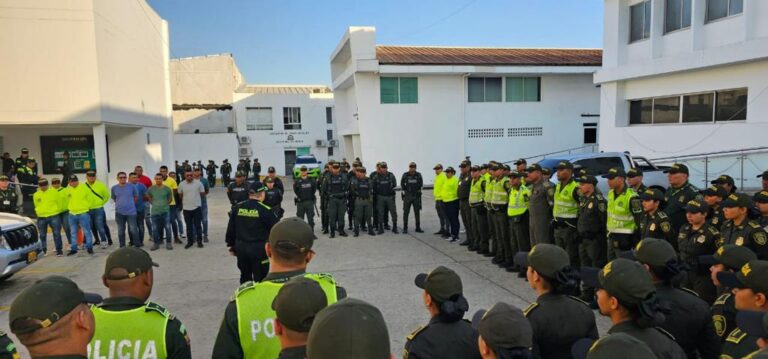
pixel 244 140
pixel 333 143
pixel 320 143
pixel 245 152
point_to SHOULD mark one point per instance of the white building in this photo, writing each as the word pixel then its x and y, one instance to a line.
pixel 685 77
pixel 89 77
pixel 439 104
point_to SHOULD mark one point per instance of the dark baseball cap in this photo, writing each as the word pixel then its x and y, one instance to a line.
pixel 651 194
pixel 335 165
pixel 239 174
pixel 634 172
pixel 437 167
pixel 441 283
pixel 586 179
pixel 349 329
pixel 42 181
pixel 696 206
pixel 465 164
pixel 269 180
pixel 654 252
pixel 24 150
pixel 564 165
pixel 73 178
pixel 361 168
pixel 677 168
pixel 45 302
pixel 474 168
pixel 297 303
pixel 546 171
pixel 715 191
pixel 503 326
pixel 450 170
pixel 763 175
pixel 128 262
pixel 533 167
pixel 723 179
pixel 737 200
pixel 292 234
pixel 412 165
pixel 753 323
pixel 729 255
pixel 624 279
pixel 615 172
pixel 612 346
pixel 545 259
pixel 521 161
pixel 761 197
pixel 753 275
pixel 383 164
pixel 271 169
pixel 90 172
pixel 516 174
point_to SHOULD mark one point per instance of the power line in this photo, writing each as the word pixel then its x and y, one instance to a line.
pixel 438 21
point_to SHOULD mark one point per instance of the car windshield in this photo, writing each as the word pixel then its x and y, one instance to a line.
pixel 306 160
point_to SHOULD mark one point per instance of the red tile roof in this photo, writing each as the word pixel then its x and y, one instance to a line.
pixel 420 55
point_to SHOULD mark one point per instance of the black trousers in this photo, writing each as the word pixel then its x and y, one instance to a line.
pixel 452 217
pixel 252 261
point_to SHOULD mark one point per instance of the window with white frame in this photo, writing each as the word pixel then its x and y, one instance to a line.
pixel 640 21
pixel 718 9
pixel 258 118
pixel 705 107
pixel 484 89
pixel 677 15
pixel 292 118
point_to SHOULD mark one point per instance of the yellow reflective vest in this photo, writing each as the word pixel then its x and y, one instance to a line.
pixel 620 217
pixel 437 190
pixel 518 201
pixel 565 205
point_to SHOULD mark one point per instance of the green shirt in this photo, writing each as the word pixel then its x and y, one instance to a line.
pixel 159 197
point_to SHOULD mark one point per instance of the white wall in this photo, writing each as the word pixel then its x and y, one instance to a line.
pixel 205 121
pixel 204 147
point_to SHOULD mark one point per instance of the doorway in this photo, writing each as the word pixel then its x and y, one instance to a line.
pixel 290 161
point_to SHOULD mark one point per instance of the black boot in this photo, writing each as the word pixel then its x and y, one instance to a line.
pixel 418 222
pixel 405 230
pixel 333 232
pixel 380 230
pixel 370 231
pixel 342 233
pixel 357 232
pixel 394 228
pixel 325 230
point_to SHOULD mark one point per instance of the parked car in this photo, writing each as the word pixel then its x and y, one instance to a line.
pixel 19 244
pixel 313 166
pixel 598 164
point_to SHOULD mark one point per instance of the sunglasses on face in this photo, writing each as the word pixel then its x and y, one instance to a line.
pixel 122 177
pixel 91 175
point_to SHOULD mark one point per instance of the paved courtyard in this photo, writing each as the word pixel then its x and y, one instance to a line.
pixel 195 284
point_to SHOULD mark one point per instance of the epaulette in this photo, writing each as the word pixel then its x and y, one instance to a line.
pixel 689 291
pixel 242 289
pixel 600 196
pixel 578 300
pixel 754 224
pixel 722 299
pixel 415 333
pixel 713 230
pixel 736 336
pixel 662 215
pixel 666 333
pixel 154 307
pixel 530 308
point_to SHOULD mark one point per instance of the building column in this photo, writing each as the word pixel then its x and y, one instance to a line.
pixel 100 152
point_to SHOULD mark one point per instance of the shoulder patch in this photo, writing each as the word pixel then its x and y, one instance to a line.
pixel 578 300
pixel 713 230
pixel 666 333
pixel 154 307
pixel 689 291
pixel 720 324
pixel 736 336
pixel 242 289
pixel 662 214
pixel 415 333
pixel 760 237
pixel 530 308
pixel 754 224
pixel 722 299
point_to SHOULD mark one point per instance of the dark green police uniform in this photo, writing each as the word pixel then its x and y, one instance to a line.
pixel 7 348
pixel 752 275
pixel 293 353
pixel 723 311
pixel 478 212
pixel 694 243
pixel 336 187
pixel 321 180
pixel 363 203
pixel 210 170
pixel 305 189
pixel 593 215
pixel 540 208
pixel 9 199
pixel 22 162
pixel 411 185
pixel 465 183
pixel 657 225
pixel 384 187
pixel 613 346
pixel 226 171
pixel 749 234
pixel 676 199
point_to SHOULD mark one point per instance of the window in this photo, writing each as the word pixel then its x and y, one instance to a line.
pixel 329 115
pixel 330 151
pixel 484 89
pixel 399 90
pixel 640 21
pixel 330 135
pixel 258 118
pixel 600 165
pixel 698 108
pixel 523 89
pixel 641 112
pixel 678 15
pixel 717 9
pixel 292 118
pixel 590 133
pixel 731 105
pixel 666 110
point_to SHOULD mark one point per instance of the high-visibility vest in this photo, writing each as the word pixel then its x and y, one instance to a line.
pixel 476 194
pixel 620 218
pixel 499 195
pixel 565 205
pixel 134 333
pixel 518 201
pixel 256 318
pixel 437 190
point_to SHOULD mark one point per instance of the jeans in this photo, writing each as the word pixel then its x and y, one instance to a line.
pixel 133 231
pixel 176 224
pixel 84 220
pixel 204 208
pixel 161 222
pixel 64 218
pixel 194 225
pixel 55 223
pixel 99 222
pixel 139 227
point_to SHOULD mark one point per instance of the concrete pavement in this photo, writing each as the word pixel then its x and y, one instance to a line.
pixel 196 284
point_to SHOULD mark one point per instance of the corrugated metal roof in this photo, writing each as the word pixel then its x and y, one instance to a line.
pixel 285 89
pixel 427 55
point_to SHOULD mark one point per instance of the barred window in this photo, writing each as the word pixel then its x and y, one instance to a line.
pixel 485 132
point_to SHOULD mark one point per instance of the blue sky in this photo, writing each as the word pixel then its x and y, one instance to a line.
pixel 290 41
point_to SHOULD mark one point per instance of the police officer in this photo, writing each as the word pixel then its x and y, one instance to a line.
pixel 210 170
pixel 336 187
pixel 750 285
pixel 9 199
pixel 540 205
pixel 256 169
pixel 635 180
pixel 23 159
pixel 627 296
pixel 244 167
pixel 624 210
pixel 739 229
pixel 728 258
pixel 496 340
pixel 678 194
pixel 278 182
pixel 323 195
pixel 26 175
pixel 761 201
pixel 411 184
pixel 688 319
pixel 362 193
pixel 479 212
pixel 247 231
pixel 7 348
pixel 128 316
pixel 296 305
pixel 305 189
pixel 714 196
pixel 764 177
pixel 351 176
pixel 247 329
pixel 517 213
pixel 274 197
pixel 226 170
pixel 566 211
pixel 726 182
pixel 698 238
pixel 349 318
pixel 51 318
pixel 755 324
pixel 593 211
pixel 557 318
pixel 465 182
pixel 497 210
pixel 446 336
pixel 238 191
pixel 384 187
pixel 654 222
pixel 66 167
pixel 521 165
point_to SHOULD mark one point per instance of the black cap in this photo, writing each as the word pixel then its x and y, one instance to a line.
pixel 763 175
pixel 335 165
pixel 651 194
pixel 503 326
pixel 437 167
pixel 269 180
pixel 753 275
pixel 465 164
pixel 715 191
pixel 753 323
pixel 292 234
pixel 44 303
pixel 624 279
pixel 349 329
pixel 474 168
pixel 761 197
pixel 677 168
pixel 654 252
pixel 696 206
pixel 127 262
pixel 729 255
pixel 545 259
pixel 271 169
pixel 516 174
pixel 412 165
pixel 90 172
pixel 546 171
pixel 383 164
pixel 297 303
pixel 533 167
pixel 634 172
pixel 441 283
pixel 724 179
pixel 521 161
pixel 737 200
pixel 615 172
pixel 361 168
pixel 586 179
pixel 617 345
pixel 450 170
pixel 564 165
pixel 73 178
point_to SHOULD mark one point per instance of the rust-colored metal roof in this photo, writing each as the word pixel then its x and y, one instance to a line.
pixel 423 55
pixel 286 89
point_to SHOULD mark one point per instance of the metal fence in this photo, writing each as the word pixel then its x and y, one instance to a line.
pixel 568 151
pixel 744 165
